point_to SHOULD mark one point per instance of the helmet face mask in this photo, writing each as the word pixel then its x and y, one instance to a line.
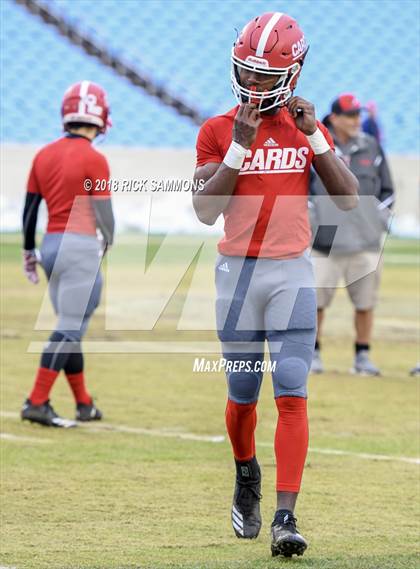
pixel 268 99
pixel 272 45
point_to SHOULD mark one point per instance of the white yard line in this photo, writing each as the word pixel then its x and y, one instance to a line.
pixel 106 427
pixel 19 439
pixel 364 455
pixel 9 415
pixel 111 428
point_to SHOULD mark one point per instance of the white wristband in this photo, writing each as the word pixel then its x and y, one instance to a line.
pixel 318 142
pixel 235 156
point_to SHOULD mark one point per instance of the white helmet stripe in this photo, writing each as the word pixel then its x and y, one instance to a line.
pixel 266 32
pixel 84 86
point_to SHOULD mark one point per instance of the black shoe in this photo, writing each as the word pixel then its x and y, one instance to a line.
pixel 246 516
pixel 44 415
pixel 285 539
pixel 86 412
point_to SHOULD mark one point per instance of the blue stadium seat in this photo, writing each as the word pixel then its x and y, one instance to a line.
pixel 365 46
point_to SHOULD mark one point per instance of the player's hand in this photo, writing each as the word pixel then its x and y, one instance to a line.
pixel 303 113
pixel 245 125
pixel 29 266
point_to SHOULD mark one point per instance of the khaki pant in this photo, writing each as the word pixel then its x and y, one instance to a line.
pixel 361 273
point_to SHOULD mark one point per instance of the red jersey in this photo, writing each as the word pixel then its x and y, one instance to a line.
pixel 58 174
pixel 267 215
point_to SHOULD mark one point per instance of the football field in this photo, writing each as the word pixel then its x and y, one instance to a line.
pixel 151 486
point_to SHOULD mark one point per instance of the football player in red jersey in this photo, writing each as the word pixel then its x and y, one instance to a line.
pixel 64 174
pixel 255 161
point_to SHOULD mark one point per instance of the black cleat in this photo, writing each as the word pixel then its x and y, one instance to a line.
pixel 86 412
pixel 246 516
pixel 44 415
pixel 285 539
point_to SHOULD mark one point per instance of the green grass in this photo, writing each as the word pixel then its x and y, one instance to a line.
pixel 104 499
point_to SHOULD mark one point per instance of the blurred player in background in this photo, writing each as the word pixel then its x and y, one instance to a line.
pixel 256 160
pixel 355 249
pixel 370 125
pixel 64 174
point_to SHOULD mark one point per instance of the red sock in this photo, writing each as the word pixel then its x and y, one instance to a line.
pixel 77 384
pixel 291 442
pixel 241 420
pixel 43 383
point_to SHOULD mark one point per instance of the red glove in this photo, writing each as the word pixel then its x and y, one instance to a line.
pixel 30 260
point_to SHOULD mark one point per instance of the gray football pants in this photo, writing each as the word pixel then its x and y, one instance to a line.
pixel 72 264
pixel 266 299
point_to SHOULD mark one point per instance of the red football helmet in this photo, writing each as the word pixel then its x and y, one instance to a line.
pixel 86 102
pixel 272 44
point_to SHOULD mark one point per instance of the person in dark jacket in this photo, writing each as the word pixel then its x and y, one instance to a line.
pixel 347 245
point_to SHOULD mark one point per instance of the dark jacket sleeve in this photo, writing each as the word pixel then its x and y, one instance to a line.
pixel 386 196
pixel 104 219
pixel 30 217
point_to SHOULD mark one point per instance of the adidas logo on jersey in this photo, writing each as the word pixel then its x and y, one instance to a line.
pixel 270 142
pixel 224 267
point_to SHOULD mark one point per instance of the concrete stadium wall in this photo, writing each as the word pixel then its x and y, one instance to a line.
pixel 171 211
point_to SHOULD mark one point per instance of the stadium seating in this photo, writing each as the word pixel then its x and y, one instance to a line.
pixel 365 46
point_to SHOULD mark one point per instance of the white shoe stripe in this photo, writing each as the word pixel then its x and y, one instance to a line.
pixel 240 516
pixel 65 423
pixel 237 520
pixel 240 530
